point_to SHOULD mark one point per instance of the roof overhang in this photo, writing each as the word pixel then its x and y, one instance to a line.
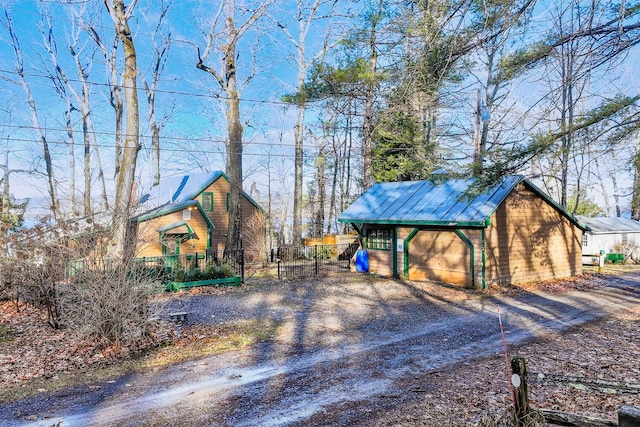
pixel 180 227
pixel 436 224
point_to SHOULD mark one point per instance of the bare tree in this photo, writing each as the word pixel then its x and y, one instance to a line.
pixel 226 76
pixel 71 156
pixel 161 51
pixel 369 97
pixel 571 65
pixel 7 23
pixel 90 142
pixel 499 23
pixel 308 14
pixel 60 85
pixel 120 14
pixel 110 54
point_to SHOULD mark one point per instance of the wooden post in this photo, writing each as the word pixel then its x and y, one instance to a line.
pixel 628 416
pixel 520 397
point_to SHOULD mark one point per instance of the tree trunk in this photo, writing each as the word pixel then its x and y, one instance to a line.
pixel 334 185
pixel 155 130
pixel 234 130
pixel 51 181
pixel 318 222
pixel 115 92
pixel 234 164
pixel 298 177
pixel 72 160
pixel 127 166
pixel 635 191
pixel 86 201
pixel 227 79
pixel 105 198
pixel 151 89
pixel 89 134
pixel 616 196
pixel 367 127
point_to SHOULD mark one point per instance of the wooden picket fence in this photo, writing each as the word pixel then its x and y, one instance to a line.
pixel 526 415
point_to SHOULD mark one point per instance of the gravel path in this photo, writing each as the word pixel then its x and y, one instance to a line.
pixel 344 344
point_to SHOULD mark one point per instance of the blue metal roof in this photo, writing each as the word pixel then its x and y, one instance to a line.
pixel 182 189
pixel 449 202
pixel 178 189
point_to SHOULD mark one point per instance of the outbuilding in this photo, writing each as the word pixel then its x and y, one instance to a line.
pixel 613 235
pixel 455 231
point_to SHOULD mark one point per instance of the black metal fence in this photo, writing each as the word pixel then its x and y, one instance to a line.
pixel 200 261
pixel 309 261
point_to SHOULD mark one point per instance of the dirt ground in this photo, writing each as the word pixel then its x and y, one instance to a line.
pixel 362 351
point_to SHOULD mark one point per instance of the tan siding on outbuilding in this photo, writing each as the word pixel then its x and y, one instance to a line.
pixel 441 256
pixel 381 262
pixel 529 240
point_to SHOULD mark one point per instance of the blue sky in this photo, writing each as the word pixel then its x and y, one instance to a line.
pixel 193 136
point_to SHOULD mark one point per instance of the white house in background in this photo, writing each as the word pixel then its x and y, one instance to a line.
pixel 612 235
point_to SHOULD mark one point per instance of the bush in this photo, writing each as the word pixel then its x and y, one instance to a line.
pixel 212 271
pixel 221 271
pixel 111 304
pixel 66 272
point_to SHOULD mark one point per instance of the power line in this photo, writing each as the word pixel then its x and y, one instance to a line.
pixel 352 151
pixel 163 91
pixel 355 149
pixel 173 138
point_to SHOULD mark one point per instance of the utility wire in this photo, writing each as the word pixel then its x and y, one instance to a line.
pixel 163 91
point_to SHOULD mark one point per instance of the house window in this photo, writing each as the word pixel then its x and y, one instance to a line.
pixel 228 201
pixel 207 201
pixel 585 240
pixel 379 239
pixel 186 214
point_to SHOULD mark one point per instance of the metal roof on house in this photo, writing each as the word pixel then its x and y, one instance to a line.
pixel 177 190
pixel 438 202
pixel 611 225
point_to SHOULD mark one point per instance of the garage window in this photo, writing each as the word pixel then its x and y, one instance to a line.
pixel 379 239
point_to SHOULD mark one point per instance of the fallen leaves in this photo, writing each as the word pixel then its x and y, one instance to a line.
pixel 478 393
pixel 36 350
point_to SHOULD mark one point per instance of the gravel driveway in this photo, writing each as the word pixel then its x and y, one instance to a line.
pixel 345 345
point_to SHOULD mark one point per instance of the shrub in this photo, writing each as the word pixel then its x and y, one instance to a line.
pixel 211 271
pixel 108 303
pixel 60 269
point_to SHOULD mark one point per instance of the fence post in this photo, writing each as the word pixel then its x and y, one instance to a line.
pixel 242 265
pixel 520 397
pixel 316 266
pixel 628 416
